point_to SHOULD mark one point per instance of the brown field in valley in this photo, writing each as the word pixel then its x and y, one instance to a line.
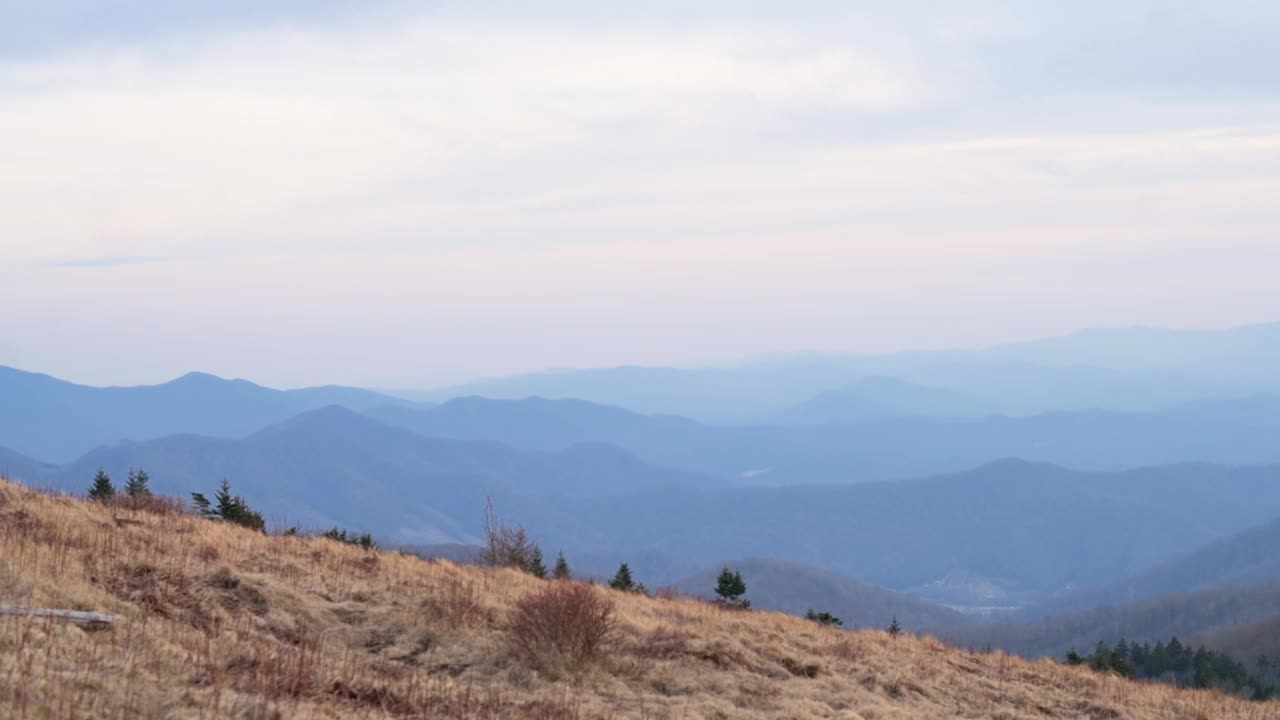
pixel 223 622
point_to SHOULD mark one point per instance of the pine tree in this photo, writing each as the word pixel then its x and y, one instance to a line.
pixel 536 568
pixel 823 618
pixel 102 489
pixel 137 485
pixel 1122 649
pixel 730 588
pixel 894 628
pixel 202 505
pixel 233 509
pixel 561 570
pixel 227 507
pixel 622 580
pixel 1101 657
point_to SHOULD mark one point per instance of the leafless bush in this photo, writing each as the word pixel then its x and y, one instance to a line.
pixel 565 625
pixel 156 504
pixel 506 546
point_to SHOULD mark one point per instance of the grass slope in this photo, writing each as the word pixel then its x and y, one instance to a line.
pixel 220 622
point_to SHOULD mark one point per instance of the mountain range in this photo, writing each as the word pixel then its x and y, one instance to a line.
pixel 57 421
pixel 1123 369
pixel 1028 529
pixel 867 450
pixel 335 467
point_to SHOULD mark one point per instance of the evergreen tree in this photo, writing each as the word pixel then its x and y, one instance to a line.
pixel 894 628
pixel 1120 665
pixel 202 505
pixel 622 580
pixel 102 489
pixel 1074 658
pixel 823 618
pixel 1179 657
pixel 730 588
pixel 1122 649
pixel 536 568
pixel 227 507
pixel 1101 657
pixel 138 484
pixel 233 509
pixel 561 570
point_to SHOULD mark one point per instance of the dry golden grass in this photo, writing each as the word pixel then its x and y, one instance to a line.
pixel 221 622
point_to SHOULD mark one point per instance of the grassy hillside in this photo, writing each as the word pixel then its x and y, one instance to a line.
pixel 222 622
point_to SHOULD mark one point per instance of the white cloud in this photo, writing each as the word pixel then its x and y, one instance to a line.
pixel 484 186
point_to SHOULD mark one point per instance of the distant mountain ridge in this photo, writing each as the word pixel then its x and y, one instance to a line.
pixel 55 420
pixel 877 397
pixel 333 466
pixel 868 450
pixel 1122 369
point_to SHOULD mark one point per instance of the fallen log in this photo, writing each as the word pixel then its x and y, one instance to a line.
pixel 79 617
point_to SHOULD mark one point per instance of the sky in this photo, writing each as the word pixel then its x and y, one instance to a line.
pixel 408 194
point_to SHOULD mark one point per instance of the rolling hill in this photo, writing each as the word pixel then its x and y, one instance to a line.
pixel 1248 558
pixel 1155 619
pixel 57 421
pixel 336 467
pixel 789 587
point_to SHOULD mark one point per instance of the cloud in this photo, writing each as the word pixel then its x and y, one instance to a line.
pixel 670 187
pixel 103 262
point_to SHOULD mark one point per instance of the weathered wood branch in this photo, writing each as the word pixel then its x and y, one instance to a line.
pixel 79 617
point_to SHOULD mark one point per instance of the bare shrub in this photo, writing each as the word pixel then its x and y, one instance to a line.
pixel 506 545
pixel 566 625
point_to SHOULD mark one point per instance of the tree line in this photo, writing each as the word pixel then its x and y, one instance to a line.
pixel 1177 664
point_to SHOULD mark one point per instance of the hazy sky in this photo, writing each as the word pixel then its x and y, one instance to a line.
pixel 405 194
